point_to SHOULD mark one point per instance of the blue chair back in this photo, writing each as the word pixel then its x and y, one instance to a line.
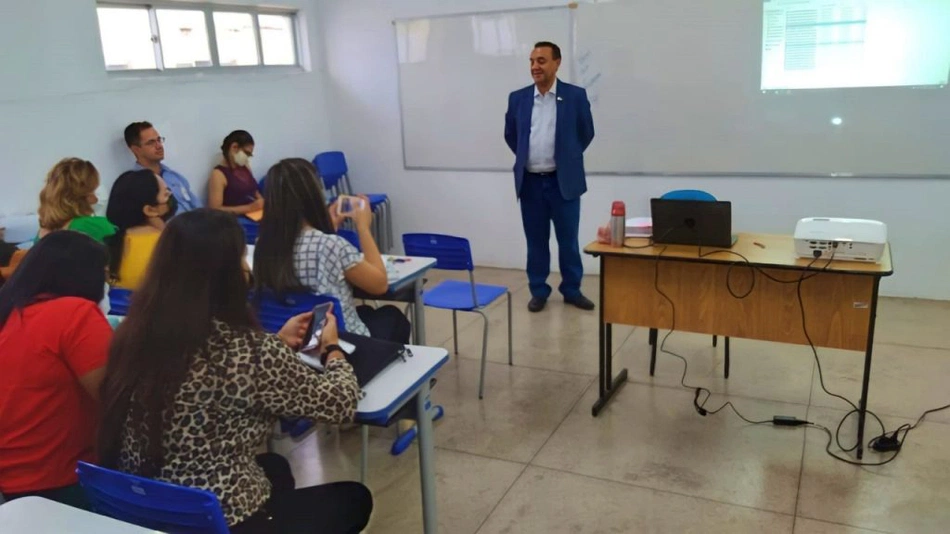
pixel 332 168
pixel 451 253
pixel 250 229
pixel 350 236
pixel 273 313
pixel 151 504
pixel 119 301
pixel 689 194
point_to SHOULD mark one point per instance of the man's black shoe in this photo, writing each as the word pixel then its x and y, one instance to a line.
pixel 536 304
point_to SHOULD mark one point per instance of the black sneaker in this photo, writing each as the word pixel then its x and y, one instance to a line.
pixel 536 304
pixel 580 301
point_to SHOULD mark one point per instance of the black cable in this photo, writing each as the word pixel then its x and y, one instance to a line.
pixel 880 443
pixel 700 406
pixel 651 241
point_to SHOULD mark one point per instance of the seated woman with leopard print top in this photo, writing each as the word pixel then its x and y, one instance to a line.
pixel 193 387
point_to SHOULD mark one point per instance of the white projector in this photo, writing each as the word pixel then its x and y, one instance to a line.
pixel 845 239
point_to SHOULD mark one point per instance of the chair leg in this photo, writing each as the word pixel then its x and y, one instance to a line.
pixel 481 378
pixel 715 340
pixel 410 313
pixel 653 343
pixel 455 331
pixel 380 216
pixel 727 356
pixel 510 361
pixel 389 221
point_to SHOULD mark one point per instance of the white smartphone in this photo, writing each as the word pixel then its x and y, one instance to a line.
pixel 348 204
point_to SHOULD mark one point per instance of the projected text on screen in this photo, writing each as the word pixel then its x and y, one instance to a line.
pixel 815 44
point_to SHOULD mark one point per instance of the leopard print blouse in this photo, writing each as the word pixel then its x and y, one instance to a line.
pixel 232 396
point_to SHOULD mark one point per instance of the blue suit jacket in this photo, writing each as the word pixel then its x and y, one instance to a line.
pixel 575 130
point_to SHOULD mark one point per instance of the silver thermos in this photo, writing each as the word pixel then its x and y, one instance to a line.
pixel 618 219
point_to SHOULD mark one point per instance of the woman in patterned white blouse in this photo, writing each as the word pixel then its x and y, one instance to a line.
pixel 193 387
pixel 297 250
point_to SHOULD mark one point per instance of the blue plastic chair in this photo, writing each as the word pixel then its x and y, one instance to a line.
pixel 455 254
pixel 251 229
pixel 350 236
pixel 119 301
pixel 702 196
pixel 335 175
pixel 151 504
pixel 273 313
pixel 688 194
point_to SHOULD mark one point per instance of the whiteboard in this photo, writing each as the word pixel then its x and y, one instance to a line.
pixel 674 88
pixel 455 74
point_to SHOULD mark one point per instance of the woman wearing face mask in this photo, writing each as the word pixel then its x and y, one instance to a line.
pixel 232 187
pixel 139 205
pixel 70 198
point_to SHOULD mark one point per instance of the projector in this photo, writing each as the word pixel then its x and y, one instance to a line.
pixel 845 239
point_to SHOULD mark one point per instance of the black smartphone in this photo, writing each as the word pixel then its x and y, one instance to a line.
pixel 312 339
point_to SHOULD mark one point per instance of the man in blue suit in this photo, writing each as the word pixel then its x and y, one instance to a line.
pixel 548 126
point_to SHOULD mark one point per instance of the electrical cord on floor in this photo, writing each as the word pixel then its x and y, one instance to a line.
pixel 699 390
pixel 883 443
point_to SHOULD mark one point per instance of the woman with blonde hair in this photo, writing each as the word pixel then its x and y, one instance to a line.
pixel 68 198
pixel 66 203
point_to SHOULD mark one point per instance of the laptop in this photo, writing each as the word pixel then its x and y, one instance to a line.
pixel 692 222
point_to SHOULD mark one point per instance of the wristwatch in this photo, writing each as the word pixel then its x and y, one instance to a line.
pixel 328 349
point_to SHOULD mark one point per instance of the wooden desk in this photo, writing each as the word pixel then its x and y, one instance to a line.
pixel 840 301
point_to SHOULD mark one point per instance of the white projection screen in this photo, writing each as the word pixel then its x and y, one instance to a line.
pixel 708 87
pixel 827 44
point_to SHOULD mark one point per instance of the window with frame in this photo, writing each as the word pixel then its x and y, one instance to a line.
pixel 168 36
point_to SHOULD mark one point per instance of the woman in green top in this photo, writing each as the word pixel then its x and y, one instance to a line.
pixel 67 200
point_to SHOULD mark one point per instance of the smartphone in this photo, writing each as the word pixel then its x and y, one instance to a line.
pixel 348 204
pixel 312 339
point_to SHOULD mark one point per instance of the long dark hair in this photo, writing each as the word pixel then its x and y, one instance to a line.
pixel 62 264
pixel 293 197
pixel 195 276
pixel 241 137
pixel 131 192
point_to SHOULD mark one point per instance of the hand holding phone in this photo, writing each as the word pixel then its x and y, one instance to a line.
pixel 312 339
pixel 348 205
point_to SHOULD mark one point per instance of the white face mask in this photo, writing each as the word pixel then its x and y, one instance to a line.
pixel 241 159
pixel 99 208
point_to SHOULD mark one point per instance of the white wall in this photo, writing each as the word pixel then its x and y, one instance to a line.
pixel 364 112
pixel 56 100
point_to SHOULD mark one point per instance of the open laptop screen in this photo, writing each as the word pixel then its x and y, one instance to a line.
pixel 692 222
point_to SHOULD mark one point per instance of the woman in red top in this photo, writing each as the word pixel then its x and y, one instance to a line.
pixel 54 342
pixel 232 187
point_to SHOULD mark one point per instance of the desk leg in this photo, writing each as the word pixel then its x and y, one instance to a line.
pixel 364 452
pixel 608 384
pixel 426 461
pixel 601 325
pixel 863 403
pixel 419 314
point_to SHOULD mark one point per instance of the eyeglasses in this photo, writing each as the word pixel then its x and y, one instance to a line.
pixel 153 142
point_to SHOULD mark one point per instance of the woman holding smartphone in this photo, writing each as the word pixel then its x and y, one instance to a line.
pixel 297 251
pixel 193 386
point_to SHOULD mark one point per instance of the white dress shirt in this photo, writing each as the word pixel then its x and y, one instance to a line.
pixel 543 127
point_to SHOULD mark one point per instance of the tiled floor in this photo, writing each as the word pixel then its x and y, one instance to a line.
pixel 530 458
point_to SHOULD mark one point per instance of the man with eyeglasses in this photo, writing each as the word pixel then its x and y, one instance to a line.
pixel 149 150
